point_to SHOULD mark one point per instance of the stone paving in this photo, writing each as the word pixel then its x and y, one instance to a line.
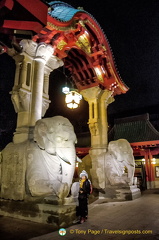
pixel 137 219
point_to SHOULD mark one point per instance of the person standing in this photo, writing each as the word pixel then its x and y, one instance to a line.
pixel 84 191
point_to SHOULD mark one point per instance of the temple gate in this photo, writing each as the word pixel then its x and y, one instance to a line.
pixel 61 36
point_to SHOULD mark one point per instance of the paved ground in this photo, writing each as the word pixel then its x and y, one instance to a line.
pixel 137 219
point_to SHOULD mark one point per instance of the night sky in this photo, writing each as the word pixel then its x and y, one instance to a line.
pixel 132 28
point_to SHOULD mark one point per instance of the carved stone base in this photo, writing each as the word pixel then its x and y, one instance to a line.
pixel 13 171
pixel 57 215
pixel 71 201
pixel 120 193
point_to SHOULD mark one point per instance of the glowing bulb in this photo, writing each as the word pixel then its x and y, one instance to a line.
pixel 73 99
pixel 65 90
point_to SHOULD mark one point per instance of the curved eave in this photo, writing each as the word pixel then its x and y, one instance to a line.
pixel 58 23
pixel 86 36
pixel 68 29
pixel 61 11
pixel 114 81
pixel 121 86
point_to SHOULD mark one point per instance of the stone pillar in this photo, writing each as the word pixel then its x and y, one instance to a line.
pixel 46 82
pixel 98 101
pixel 43 53
pixel 30 101
pixel 18 61
pixel 23 73
pixel 30 92
pixel 104 100
pixel 21 98
pixel 37 91
pixel 91 96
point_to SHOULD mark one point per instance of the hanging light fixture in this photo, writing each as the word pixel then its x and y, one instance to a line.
pixel 73 99
pixel 65 90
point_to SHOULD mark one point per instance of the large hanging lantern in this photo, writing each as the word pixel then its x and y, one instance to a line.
pixel 73 99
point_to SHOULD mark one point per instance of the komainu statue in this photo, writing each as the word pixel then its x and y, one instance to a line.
pixel 119 163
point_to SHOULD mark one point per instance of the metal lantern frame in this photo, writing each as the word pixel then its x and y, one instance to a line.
pixel 72 98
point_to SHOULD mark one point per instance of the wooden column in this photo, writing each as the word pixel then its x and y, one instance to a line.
pixel 150 177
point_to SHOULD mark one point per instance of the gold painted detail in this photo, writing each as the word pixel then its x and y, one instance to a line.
pixel 99 74
pixel 89 22
pixel 61 44
pixel 104 47
pixel 84 43
pixel 70 27
pixel 82 23
pixel 100 78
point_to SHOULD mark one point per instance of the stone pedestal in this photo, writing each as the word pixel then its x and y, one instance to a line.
pixel 120 193
pixel 13 169
pixel 57 215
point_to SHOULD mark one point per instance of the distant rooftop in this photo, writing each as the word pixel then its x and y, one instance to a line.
pixel 134 129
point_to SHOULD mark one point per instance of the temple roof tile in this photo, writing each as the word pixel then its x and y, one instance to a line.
pixel 61 11
pixel 134 129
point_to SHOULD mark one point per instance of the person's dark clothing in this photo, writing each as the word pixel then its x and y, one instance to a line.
pixel 83 198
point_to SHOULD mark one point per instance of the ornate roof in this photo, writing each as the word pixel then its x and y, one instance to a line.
pixel 61 11
pixel 76 37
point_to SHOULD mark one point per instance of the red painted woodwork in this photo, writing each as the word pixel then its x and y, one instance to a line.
pixel 83 64
pixel 139 149
pixel 23 15
pixel 37 8
pixel 147 166
pixel 7 3
pixel 80 42
pixel 154 143
pixel 81 152
pixel 84 49
pixel 152 174
pixel 27 25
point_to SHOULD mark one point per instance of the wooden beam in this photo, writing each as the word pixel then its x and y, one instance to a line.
pixel 7 3
pixel 22 25
pixel 37 8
